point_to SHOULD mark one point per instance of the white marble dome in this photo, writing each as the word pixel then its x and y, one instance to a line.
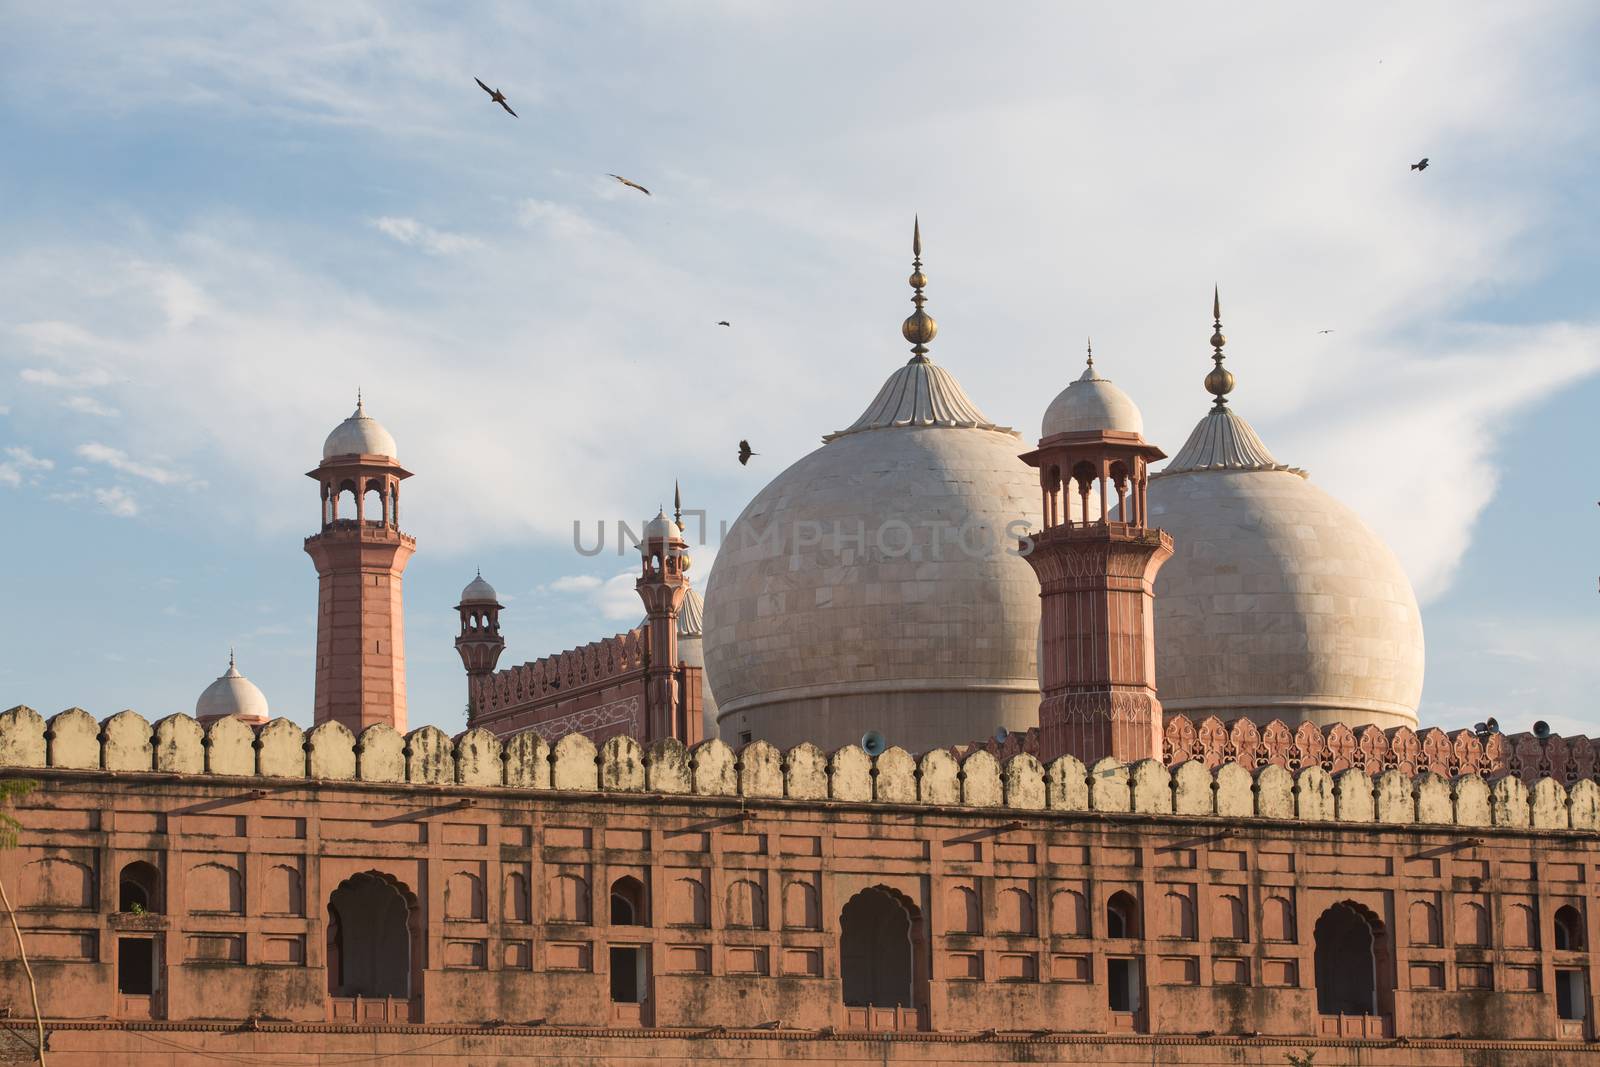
pixel 1278 602
pixel 1091 403
pixel 479 591
pixel 360 434
pixel 232 695
pixel 832 610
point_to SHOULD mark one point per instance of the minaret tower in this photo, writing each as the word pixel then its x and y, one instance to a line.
pixel 360 555
pixel 672 709
pixel 1096 558
pixel 479 642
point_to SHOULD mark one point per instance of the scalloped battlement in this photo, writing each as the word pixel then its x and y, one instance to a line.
pixel 562 672
pixel 178 744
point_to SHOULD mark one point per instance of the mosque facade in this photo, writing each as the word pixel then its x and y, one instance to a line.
pixel 977 749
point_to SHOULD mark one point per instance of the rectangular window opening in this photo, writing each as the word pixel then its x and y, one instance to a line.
pixel 1569 994
pixel 1122 984
pixel 627 975
pixel 136 966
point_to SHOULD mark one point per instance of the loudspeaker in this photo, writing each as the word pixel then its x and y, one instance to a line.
pixel 873 742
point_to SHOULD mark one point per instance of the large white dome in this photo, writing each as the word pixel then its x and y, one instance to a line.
pixel 231 695
pixel 360 434
pixel 833 608
pixel 1278 602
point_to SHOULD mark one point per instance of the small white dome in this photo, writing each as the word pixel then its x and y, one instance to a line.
pixel 661 528
pixel 360 434
pixel 232 695
pixel 1091 403
pixel 479 591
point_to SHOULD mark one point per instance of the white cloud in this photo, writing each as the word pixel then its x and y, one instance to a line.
pixel 559 219
pixel 117 500
pixel 119 460
pixel 21 465
pixel 573 583
pixel 411 232
pixel 55 334
pixel 88 378
pixel 88 405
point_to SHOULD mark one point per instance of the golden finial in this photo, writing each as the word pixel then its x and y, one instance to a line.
pixel 1091 351
pixel 1219 382
pixel 677 504
pixel 919 328
pixel 230 657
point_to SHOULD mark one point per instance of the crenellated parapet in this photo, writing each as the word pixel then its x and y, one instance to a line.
pixel 280 749
pixel 1339 747
pixel 562 673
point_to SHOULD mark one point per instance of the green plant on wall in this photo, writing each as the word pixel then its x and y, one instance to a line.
pixel 10 790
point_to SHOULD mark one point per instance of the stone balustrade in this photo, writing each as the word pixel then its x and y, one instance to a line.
pixel 280 749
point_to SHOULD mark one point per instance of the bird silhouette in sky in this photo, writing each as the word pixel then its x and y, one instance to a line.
pixel 630 184
pixel 497 96
pixel 724 322
pixel 1324 331
pixel 1421 165
pixel 745 453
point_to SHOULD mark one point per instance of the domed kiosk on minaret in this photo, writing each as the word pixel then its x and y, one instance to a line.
pixel 1279 602
pixel 874 584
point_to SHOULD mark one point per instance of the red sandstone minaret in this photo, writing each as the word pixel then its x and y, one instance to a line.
pixel 672 707
pixel 361 659
pixel 479 642
pixel 1096 560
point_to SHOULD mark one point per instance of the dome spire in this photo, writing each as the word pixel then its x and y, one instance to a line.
pixel 919 327
pixel 677 504
pixel 1219 382
pixel 1090 361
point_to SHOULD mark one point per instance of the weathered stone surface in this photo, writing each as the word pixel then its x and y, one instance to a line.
pixel 1583 805
pixel 1434 803
pixel 430 757
pixel 478 758
pixel 1314 799
pixel 850 774
pixel 232 749
pixel 895 780
pixel 1548 805
pixel 760 770
pixel 1023 779
pixel 127 743
pixel 1392 800
pixel 1108 786
pixel 1472 807
pixel 1067 784
pixel 1150 787
pixel 1274 793
pixel 1509 802
pixel 1192 793
pixel 333 751
pixel 381 754
pixel 805 773
pixel 941 778
pixel 1354 791
pixel 75 741
pixel 281 750
pixel 179 743
pixel 621 765
pixel 527 761
pixel 1236 798
pixel 22 738
pixel 712 765
pixel 572 764
pixel 667 767
pixel 980 781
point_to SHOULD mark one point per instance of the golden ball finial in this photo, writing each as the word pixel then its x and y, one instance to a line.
pixel 1219 380
pixel 919 327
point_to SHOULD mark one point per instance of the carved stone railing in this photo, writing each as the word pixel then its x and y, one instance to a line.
pixel 562 673
pixel 279 749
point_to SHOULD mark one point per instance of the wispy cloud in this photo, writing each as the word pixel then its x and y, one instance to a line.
pixel 610 598
pixel 88 378
pixel 54 334
pixel 119 460
pixel 20 465
pixel 88 405
pixel 116 500
pixel 411 232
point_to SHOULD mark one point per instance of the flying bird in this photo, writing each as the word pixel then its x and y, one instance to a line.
pixel 497 96
pixel 1324 331
pixel 745 453
pixel 1423 165
pixel 724 322
pixel 630 185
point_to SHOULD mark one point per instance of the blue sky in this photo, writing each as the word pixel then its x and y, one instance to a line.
pixel 214 228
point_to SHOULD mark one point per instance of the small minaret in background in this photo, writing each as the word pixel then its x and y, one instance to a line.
pixel 1096 558
pixel 360 555
pixel 672 708
pixel 479 641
